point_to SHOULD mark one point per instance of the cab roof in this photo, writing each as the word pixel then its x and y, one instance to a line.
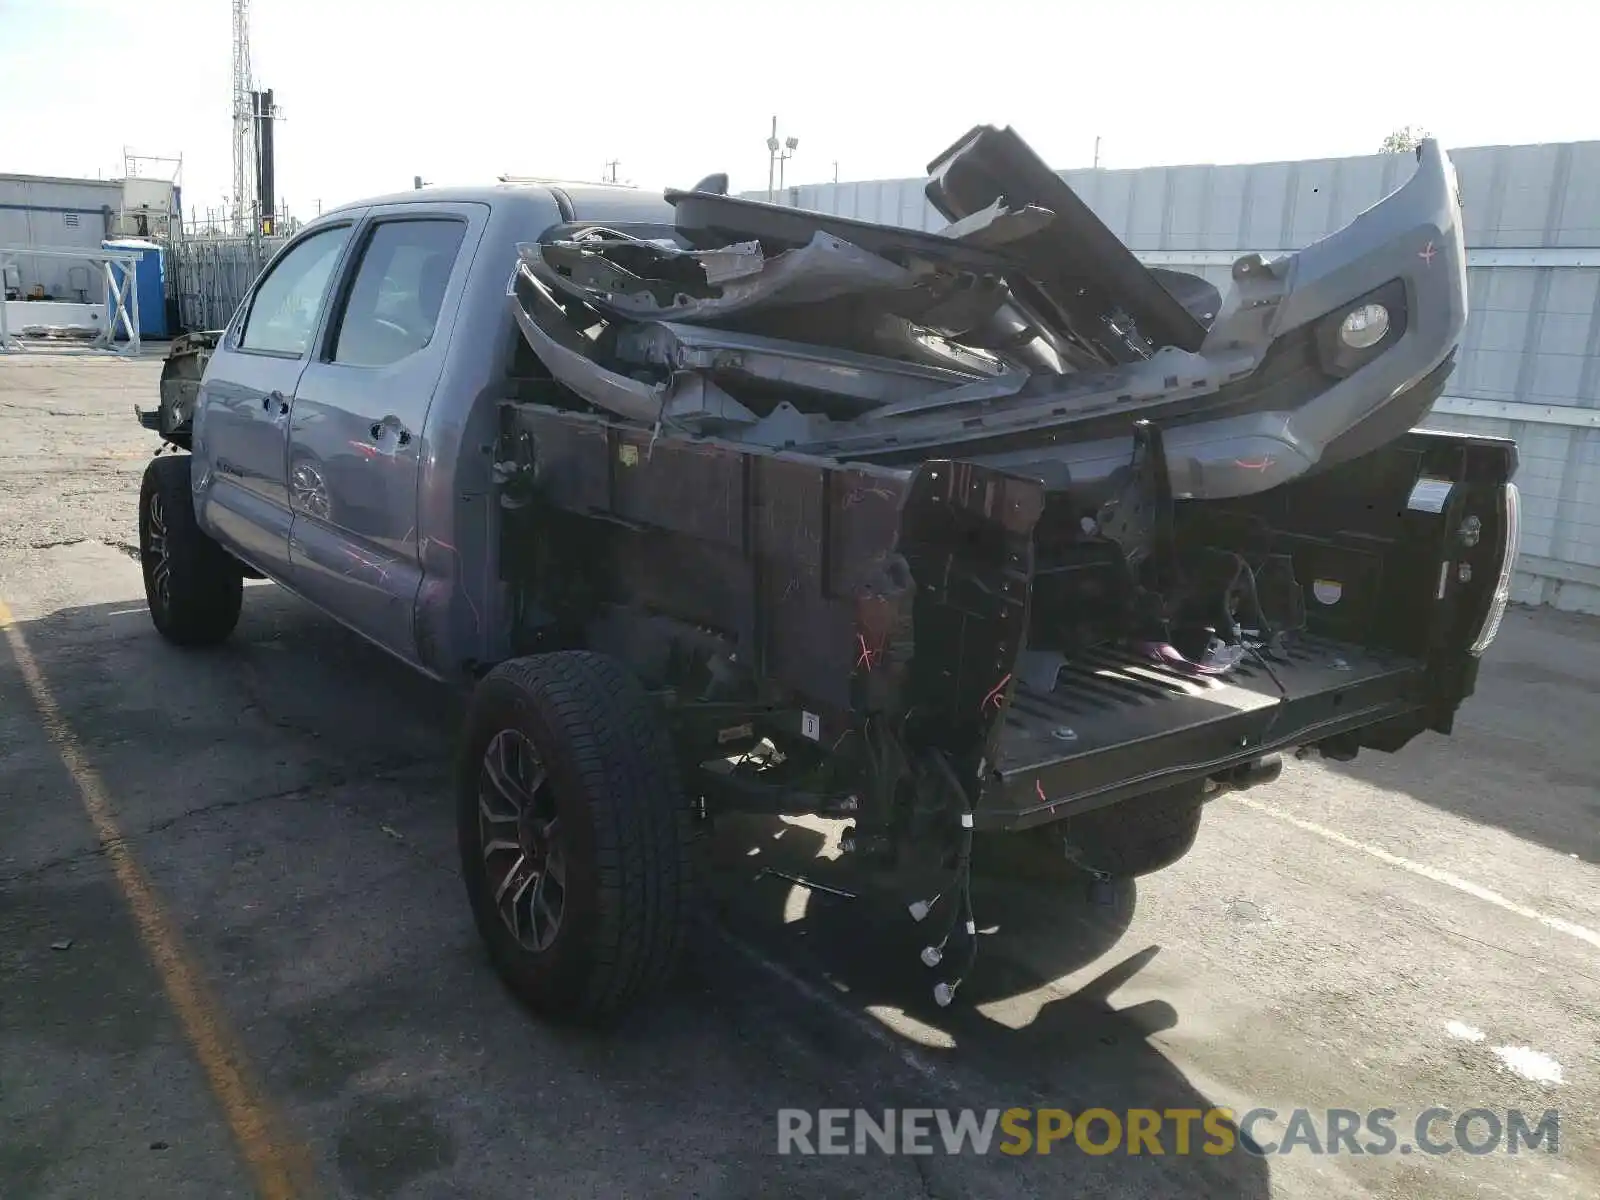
pixel 576 201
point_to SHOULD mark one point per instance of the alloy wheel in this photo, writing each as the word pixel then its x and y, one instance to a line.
pixel 520 834
pixel 157 554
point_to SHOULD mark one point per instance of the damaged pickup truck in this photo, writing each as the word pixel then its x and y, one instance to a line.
pixel 988 540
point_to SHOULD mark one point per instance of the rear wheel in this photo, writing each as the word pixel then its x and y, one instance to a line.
pixel 194 588
pixel 575 835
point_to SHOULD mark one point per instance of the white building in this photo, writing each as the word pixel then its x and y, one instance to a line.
pixel 53 213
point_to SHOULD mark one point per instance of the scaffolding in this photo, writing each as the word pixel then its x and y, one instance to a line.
pixel 119 269
pixel 244 139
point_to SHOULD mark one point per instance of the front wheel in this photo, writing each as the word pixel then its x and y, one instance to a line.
pixel 574 833
pixel 193 587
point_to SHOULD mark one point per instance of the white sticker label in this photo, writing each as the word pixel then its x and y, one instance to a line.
pixel 1429 495
pixel 811 726
pixel 1327 591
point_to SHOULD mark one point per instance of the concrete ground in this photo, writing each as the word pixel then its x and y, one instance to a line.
pixel 236 957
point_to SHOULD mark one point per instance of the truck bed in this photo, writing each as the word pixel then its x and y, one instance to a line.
pixel 854 589
pixel 1113 716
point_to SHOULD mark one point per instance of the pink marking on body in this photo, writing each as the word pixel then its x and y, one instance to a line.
pixel 994 694
pixel 868 657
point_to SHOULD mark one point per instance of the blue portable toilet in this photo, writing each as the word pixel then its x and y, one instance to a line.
pixel 150 282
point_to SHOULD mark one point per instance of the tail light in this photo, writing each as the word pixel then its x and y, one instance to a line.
pixel 1508 562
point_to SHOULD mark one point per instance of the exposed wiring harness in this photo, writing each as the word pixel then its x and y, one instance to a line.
pixel 1235 643
pixel 1270 638
pixel 962 919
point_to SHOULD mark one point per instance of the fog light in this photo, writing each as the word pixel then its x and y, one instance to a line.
pixel 1364 327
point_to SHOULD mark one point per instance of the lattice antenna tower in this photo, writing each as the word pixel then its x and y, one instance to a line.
pixel 244 146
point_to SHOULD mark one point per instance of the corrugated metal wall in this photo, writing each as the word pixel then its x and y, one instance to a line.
pixel 1530 363
pixel 64 214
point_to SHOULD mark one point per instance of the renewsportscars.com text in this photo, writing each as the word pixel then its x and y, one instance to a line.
pixel 1175 1131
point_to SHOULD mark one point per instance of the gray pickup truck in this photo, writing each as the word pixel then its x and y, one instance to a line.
pixel 986 539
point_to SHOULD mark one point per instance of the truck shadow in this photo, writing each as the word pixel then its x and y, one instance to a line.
pixel 1037 1023
pixel 304 708
pixel 1523 756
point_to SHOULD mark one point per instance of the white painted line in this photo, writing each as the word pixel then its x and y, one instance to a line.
pixel 1534 1065
pixel 1570 928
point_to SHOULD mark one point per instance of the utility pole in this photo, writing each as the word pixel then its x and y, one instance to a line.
pixel 610 175
pixel 836 170
pixel 265 113
pixel 1097 153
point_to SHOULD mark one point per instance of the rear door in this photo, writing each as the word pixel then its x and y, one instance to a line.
pixel 357 430
pixel 242 424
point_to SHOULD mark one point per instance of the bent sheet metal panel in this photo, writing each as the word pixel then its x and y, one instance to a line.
pixel 772 549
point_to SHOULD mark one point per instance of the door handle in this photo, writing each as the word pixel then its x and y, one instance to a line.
pixel 402 435
pixel 274 397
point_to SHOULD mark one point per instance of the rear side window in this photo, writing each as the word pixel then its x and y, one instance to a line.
pixel 399 287
pixel 283 313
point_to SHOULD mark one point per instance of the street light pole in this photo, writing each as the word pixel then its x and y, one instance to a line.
pixel 775 159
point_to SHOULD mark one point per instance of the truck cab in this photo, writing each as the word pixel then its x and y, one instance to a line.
pixel 342 431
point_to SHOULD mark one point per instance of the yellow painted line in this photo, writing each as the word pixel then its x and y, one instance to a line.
pixel 280 1167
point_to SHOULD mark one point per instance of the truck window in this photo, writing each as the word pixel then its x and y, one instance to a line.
pixel 399 286
pixel 283 313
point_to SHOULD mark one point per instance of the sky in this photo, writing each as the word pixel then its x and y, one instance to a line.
pixel 373 94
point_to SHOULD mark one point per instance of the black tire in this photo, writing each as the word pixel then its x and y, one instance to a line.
pixel 1123 840
pixel 194 587
pixel 625 836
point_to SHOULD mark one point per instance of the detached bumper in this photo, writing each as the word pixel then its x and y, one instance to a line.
pixel 1024 337
pixel 1271 393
